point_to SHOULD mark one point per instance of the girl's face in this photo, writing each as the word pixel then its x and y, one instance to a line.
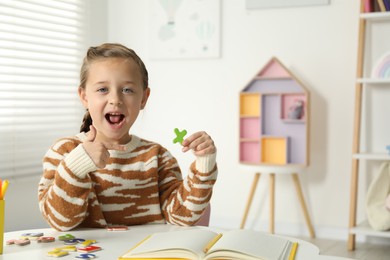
pixel 114 95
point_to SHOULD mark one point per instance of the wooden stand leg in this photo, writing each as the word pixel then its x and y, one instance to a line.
pixel 353 203
pixel 272 203
pixel 249 202
pixel 303 204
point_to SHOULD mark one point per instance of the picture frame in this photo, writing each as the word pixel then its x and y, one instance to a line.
pixel 184 29
pixel 262 4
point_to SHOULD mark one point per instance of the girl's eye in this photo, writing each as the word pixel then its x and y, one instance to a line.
pixel 127 90
pixel 102 90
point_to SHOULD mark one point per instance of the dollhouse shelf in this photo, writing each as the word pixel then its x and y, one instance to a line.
pixel 274 118
pixel 274 130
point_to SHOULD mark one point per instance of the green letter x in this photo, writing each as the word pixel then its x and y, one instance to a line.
pixel 179 136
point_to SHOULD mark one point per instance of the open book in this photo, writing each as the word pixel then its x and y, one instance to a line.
pixel 206 244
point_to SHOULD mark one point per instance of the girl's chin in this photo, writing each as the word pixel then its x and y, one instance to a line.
pixel 118 136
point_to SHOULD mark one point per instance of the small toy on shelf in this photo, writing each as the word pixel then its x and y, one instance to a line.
pixel 296 110
pixel 381 69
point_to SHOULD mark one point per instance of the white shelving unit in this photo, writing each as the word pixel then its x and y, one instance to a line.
pixel 369 26
pixel 364 229
pixel 374 81
pixel 372 156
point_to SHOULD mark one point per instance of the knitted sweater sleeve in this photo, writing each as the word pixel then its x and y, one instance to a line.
pixel 65 187
pixel 183 201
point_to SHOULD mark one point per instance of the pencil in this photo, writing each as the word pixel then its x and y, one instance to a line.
pixel 3 190
pixel 211 243
pixel 293 251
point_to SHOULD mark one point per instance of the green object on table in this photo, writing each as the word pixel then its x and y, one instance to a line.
pixel 179 136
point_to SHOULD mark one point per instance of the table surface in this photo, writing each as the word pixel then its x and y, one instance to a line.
pixel 116 243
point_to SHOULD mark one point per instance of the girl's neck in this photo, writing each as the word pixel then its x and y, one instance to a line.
pixel 123 140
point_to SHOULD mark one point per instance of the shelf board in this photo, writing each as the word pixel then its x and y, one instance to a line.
pixel 376 16
pixel 365 229
pixel 294 121
pixel 249 116
pixel 374 81
pixel 372 156
pixel 250 140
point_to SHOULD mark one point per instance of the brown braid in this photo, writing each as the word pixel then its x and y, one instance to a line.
pixel 87 121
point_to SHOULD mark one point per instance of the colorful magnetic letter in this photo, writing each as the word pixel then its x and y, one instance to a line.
pixel 179 136
pixel 69 248
pixel 57 253
pixel 85 256
pixel 65 237
pixel 31 236
pixel 74 241
pixel 22 242
pixel 89 249
pixel 46 239
pixel 88 242
pixel 117 228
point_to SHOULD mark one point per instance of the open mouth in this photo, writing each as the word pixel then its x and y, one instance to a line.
pixel 114 118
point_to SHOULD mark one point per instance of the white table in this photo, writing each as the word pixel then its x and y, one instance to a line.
pixel 113 243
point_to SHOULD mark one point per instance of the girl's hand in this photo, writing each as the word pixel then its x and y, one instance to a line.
pixel 200 142
pixel 98 151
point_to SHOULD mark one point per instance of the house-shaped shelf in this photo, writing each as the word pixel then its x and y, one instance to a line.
pixel 274 118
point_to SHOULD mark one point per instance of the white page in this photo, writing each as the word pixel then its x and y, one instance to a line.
pixel 253 243
pixel 193 240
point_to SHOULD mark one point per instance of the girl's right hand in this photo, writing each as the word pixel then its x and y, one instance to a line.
pixel 98 151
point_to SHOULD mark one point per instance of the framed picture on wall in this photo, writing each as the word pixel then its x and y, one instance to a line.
pixel 259 4
pixel 182 29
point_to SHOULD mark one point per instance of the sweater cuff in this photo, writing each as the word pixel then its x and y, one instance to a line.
pixel 205 164
pixel 79 162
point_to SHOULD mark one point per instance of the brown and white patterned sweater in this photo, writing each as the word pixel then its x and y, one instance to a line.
pixel 141 185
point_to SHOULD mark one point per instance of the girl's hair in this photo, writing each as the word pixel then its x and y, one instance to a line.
pixel 108 50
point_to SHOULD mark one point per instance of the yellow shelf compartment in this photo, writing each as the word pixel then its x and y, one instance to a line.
pixel 274 150
pixel 250 105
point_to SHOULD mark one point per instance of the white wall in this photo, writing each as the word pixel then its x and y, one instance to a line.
pixel 318 44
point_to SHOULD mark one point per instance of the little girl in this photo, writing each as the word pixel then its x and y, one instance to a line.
pixel 106 176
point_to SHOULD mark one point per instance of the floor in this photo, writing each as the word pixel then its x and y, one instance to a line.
pixel 363 251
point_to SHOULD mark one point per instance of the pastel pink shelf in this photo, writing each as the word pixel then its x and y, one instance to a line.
pixel 274 118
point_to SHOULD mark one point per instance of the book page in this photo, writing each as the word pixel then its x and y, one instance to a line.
pixel 181 244
pixel 256 245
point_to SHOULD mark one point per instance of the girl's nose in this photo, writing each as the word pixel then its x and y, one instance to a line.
pixel 115 101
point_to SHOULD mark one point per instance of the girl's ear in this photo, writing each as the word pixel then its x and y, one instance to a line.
pixel 83 97
pixel 145 97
